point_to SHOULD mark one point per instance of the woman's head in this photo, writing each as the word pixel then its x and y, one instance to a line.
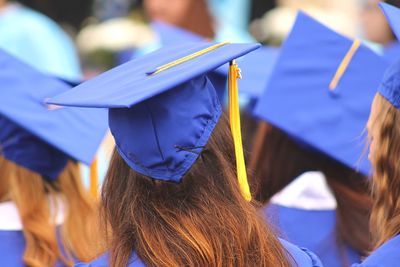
pixel 384 135
pixel 201 221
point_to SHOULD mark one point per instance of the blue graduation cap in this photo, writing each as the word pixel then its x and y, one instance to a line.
pixel 163 108
pixel 35 135
pixel 390 86
pixel 321 90
pixel 392 15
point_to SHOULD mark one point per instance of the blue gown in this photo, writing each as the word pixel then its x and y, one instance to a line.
pixel 313 226
pixel 300 258
pixel 314 230
pixel 12 246
pixel 386 255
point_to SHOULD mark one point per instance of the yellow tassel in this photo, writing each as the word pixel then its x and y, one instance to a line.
pixel 234 117
pixel 344 64
pixel 94 183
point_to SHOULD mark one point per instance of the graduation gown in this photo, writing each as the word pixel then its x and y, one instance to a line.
pixel 300 257
pixel 386 255
pixel 304 213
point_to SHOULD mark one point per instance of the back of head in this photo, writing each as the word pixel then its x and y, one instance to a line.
pixel 202 221
pixel 276 161
pixel 384 131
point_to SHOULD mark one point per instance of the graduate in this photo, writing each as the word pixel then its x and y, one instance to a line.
pixel 46 216
pixel 176 193
pixel 38 40
pixel 383 135
pixel 315 108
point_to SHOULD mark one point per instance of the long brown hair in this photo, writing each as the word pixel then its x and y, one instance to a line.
pixel 201 221
pixel 36 201
pixel 277 160
pixel 385 217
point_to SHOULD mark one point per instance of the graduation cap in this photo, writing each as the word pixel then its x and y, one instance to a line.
pixel 390 86
pixel 392 15
pixel 321 90
pixel 163 108
pixel 35 135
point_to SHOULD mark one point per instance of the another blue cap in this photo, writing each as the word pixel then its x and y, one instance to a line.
pixel 161 115
pixel 31 133
pixel 392 15
pixel 390 86
pixel 321 91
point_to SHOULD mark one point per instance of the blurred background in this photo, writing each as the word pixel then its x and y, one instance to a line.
pixel 91 36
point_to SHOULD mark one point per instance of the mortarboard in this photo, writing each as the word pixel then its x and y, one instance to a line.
pixel 392 15
pixel 163 108
pixel 321 90
pixel 33 134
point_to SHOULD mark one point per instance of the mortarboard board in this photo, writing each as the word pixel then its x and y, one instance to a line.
pixel 392 15
pixel 34 135
pixel 163 108
pixel 321 91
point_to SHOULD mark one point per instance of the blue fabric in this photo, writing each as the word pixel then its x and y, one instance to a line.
pixel 298 99
pixel 27 122
pixel 144 135
pixel 12 246
pixel 390 86
pixel 160 122
pixel 392 15
pixel 300 257
pixel 391 52
pixel 256 67
pixel 25 149
pixel 386 255
pixel 38 41
pixel 102 261
pixel 169 35
pixel 315 230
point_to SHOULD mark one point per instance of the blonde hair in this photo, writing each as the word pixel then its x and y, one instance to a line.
pixel 34 198
pixel 385 216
